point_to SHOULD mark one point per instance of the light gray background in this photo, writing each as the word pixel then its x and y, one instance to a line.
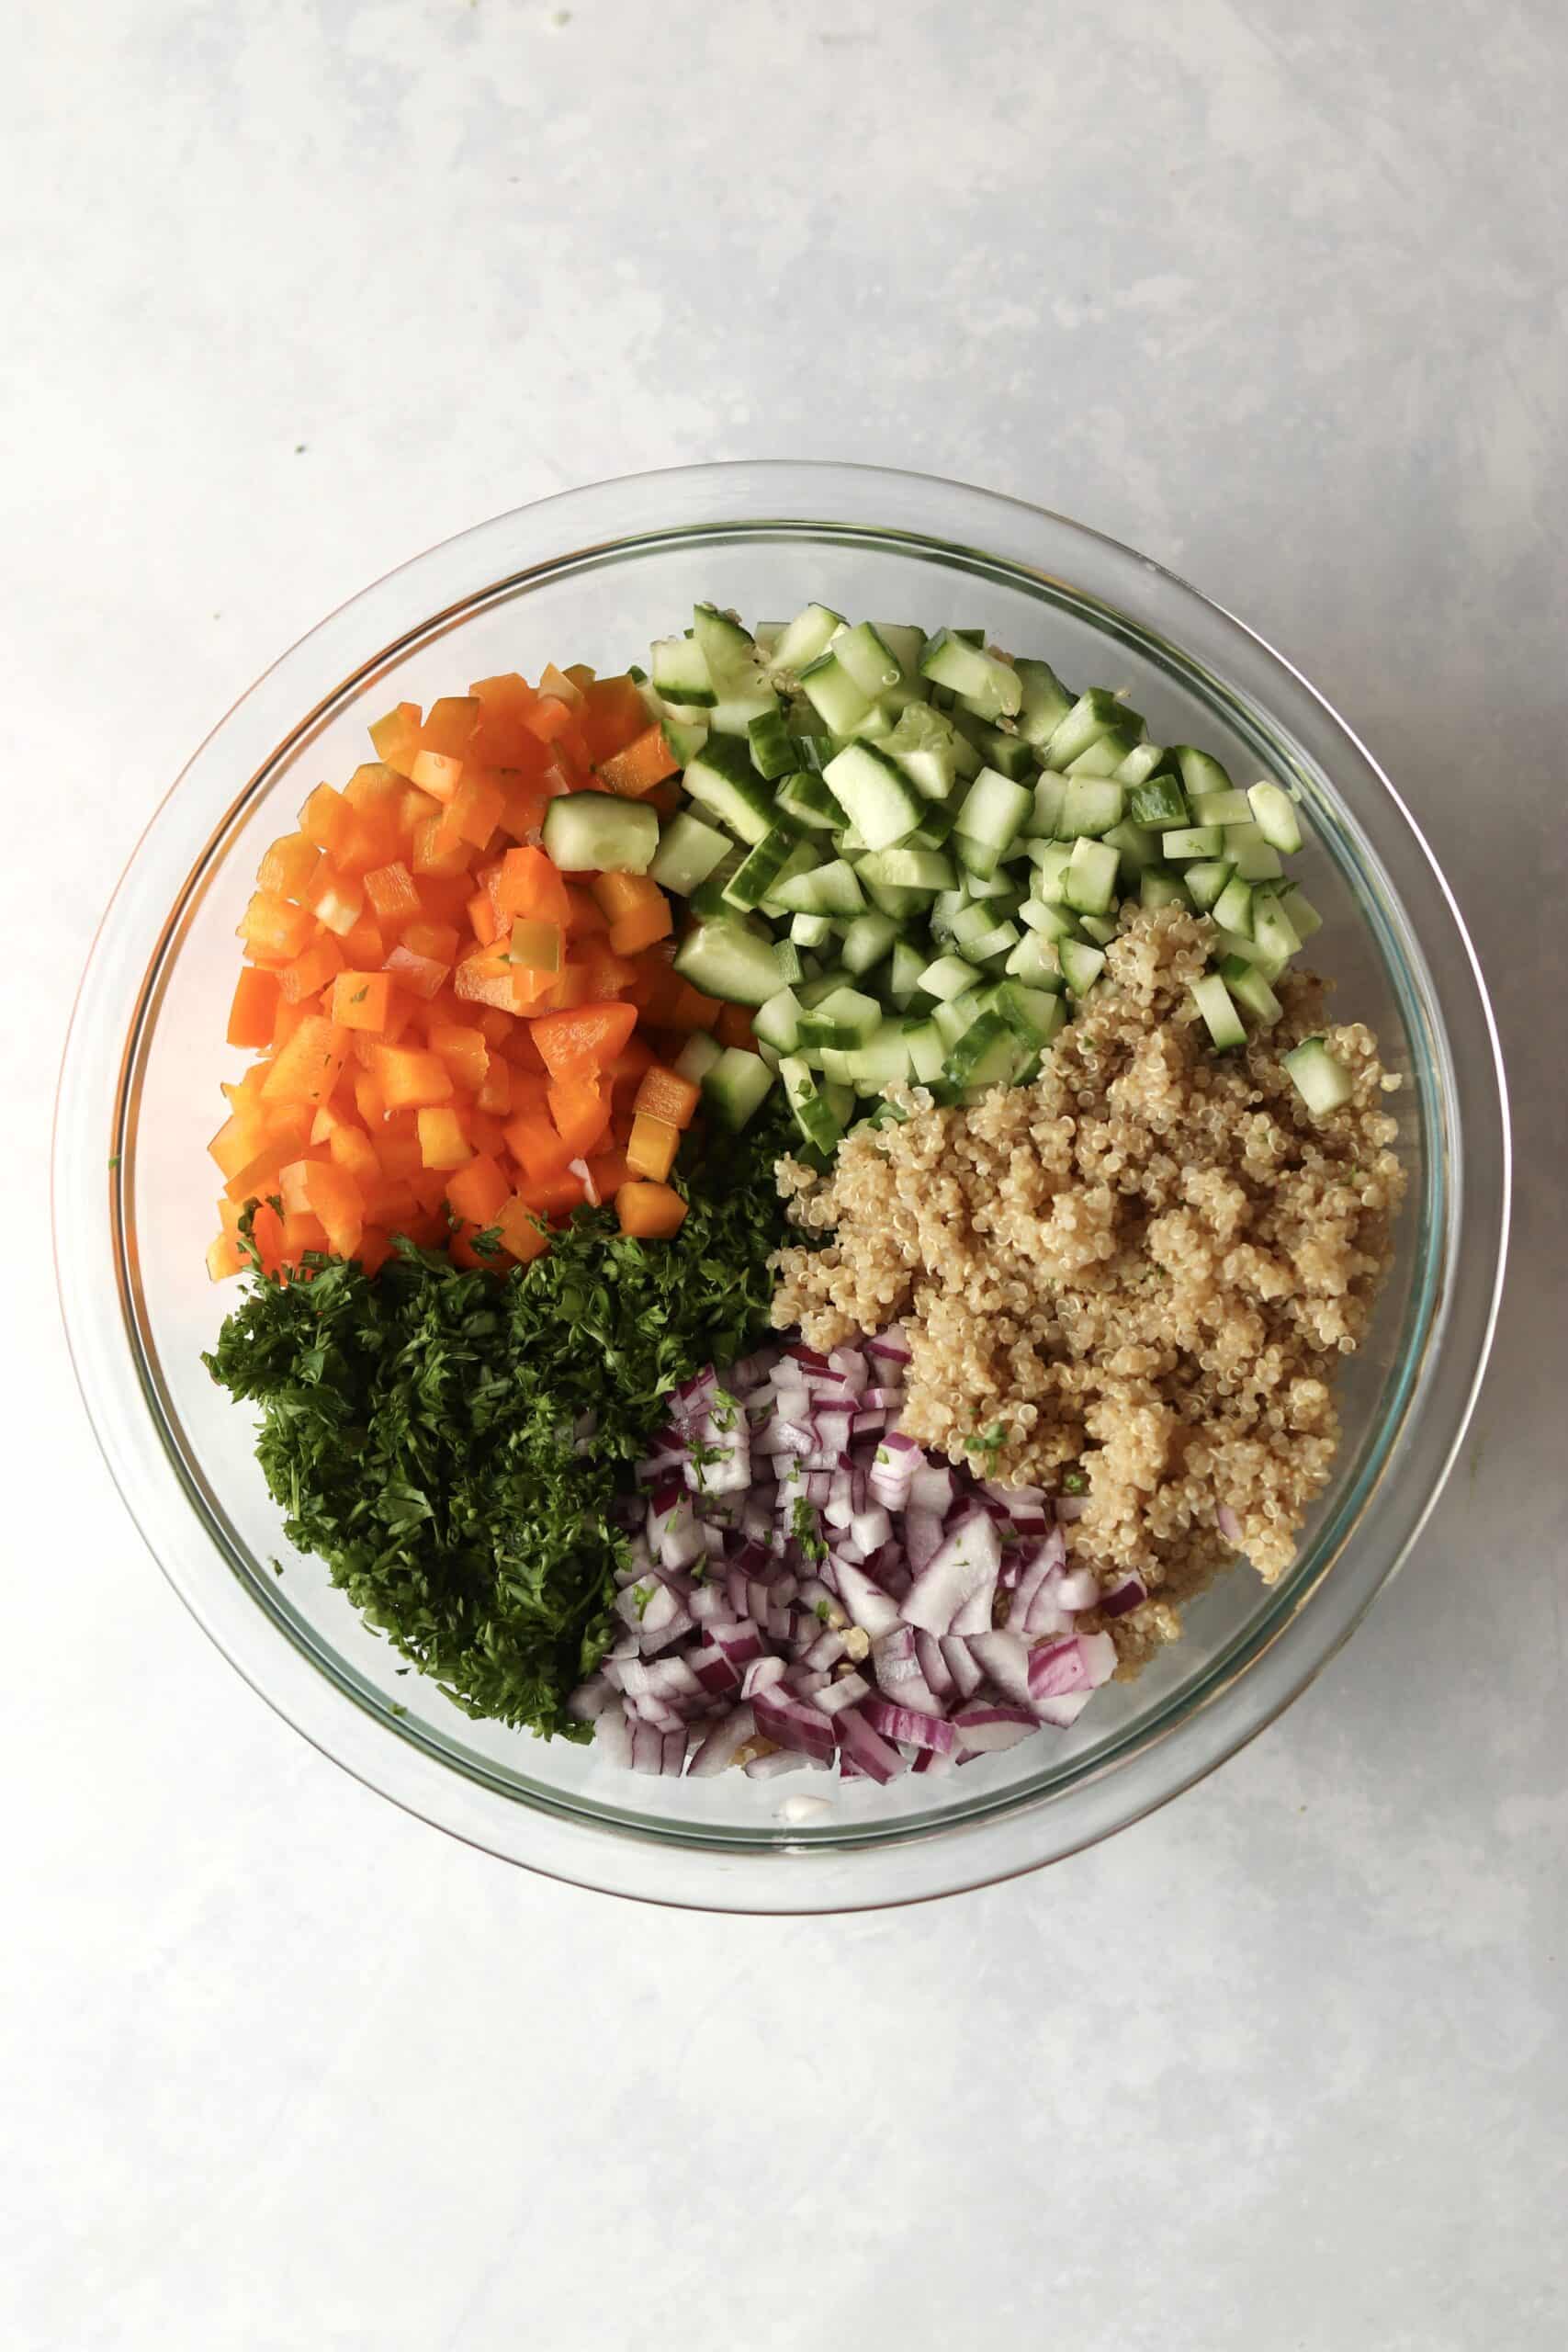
pixel 1274 292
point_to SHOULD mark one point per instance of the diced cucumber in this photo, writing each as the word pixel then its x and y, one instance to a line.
pixel 947 977
pixel 792 963
pixel 1094 714
pixel 1090 886
pixel 777 1023
pixel 872 665
pixel 1002 891
pixel 1048 922
pixel 830 889
pixel 994 747
pixel 1235 943
pixel 806 639
pixel 1045 702
pixel 1192 841
pixel 805 800
pixel 1273 927
pixel 811 930
pixel 867 941
pixel 1081 964
pixel 999 941
pixel 874 793
pixel 736 1086
pixel 989 688
pixel 1106 756
pixel 688 853
pixel 735 714
pixel 1232 907
pixel 1299 912
pixel 908 966
pixel 778 858
pixel 1051 860
pixel 876 727
pixel 722 779
pixel 1090 805
pixel 729 652
pixel 970 922
pixel 954 1016
pixel 1143 761
pixel 1158 801
pixel 1199 772
pixel 813 1112
pixel 595 833
pixel 934 830
pixel 835 695
pixel 708 898
pixel 1033 1015
pixel 1161 885
pixel 1034 963
pixel 840 1100
pixel 908 869
pixel 1221 809
pixel 1050 793
pixel 923 744
pixel 1251 990
pixel 811 992
pixel 844 1017
pixel 1206 878
pixel 775 752
pixel 680 675
pixel 696 1057
pixel 890 897
pixel 1101 929
pixel 927 1050
pixel 1255 859
pixel 725 958
pixel 1224 1024
pixel 989 1052
pixel 1323 1084
pixel 905 644
pixel 882 1060
pixel 685 737
pixel 1137 846
pixel 990 815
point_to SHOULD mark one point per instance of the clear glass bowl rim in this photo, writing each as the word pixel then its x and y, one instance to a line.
pixel 952 522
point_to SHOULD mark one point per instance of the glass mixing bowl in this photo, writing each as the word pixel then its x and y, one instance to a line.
pixel 592 576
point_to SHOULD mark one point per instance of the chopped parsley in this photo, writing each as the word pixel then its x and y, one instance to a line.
pixel 807 1530
pixel 989 1440
pixel 411 1425
pixel 1073 1483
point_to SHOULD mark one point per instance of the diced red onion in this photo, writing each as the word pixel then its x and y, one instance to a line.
pixel 1079 1589
pixel 613 1739
pixel 759 1675
pixel 1230 1527
pixel 983 1729
pixel 1122 1597
pixel 868 1749
pixel 872 1609
pixel 845 1690
pixel 716 1753
pixel 909 1725
pixel 953 1592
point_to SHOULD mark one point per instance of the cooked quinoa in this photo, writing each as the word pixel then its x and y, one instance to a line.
pixel 1139 1272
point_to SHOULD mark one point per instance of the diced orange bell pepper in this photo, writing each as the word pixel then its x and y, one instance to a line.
pixel 580 1110
pixel 337 900
pixel 664 1094
pixel 494 1095
pixel 642 927
pixel 612 715
pixel 362 1000
pixel 421 976
pixel 693 1010
pixel 534 1143
pixel 646 761
pixel 479 1192
pixel 649 1212
pixel 309 1067
pixel 274 930
pixel 522 1235
pixel 476 807
pixel 235 1144
pixel 327 818
pixel 369 1100
pixel 328 1193
pixel 412 1078
pixel 449 729
pixel 530 885
pixel 374 1249
pixel 309 973
pixel 224 1256
pixel 397 737
pixel 483 920
pixel 607 1171
pixel 733 1027
pixel 651 1147
pixel 442 1143
pixel 631 1064
pixel 439 855
pixel 288 865
pixel 254 1010
pixel 354 1152
pixel 624 894
pixel 605 974
pixel 438 774
pixel 393 895
pixel 464 1051
pixel 585 1039
pixel 489 976
pixel 555 1196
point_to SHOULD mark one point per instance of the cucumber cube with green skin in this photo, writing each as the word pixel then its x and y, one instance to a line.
pixel 1199 772
pixel 775 751
pixel 1034 963
pixel 874 793
pixel 1045 702
pixel 926 1050
pixel 1137 846
pixel 777 1023
pixel 910 869
pixel 684 737
pixel 1221 809
pixel 954 1017
pixel 934 830
pixel 1161 885
pixel 1081 964
pixel 782 858
pixel 848 1009
pixel 733 713
pixel 1033 1015
pixel 948 977
pixel 830 889
pixel 1091 884
pixel 1051 860
pixel 989 688
pixel 1192 841
pixel 688 852
pixel 1323 1084
pixel 833 693
pixel 988 1053
pixel 908 966
pixel 892 899
pixel 994 747
pixel 806 639
pixel 1223 1021
pixel 726 959
pixel 1104 757
pixel 814 1112
pixel 1251 990
pixel 680 674
pixel 922 743
pixel 1255 859
pixel 696 1057
pixel 1048 922
pixel 708 898
pixel 811 930
pixel 1232 907
pixel 1206 880
pixel 992 813
pixel 1299 911
pixel 1158 801
pixel 805 800
pixel 723 780
pixel 1145 761
pixel 734 665
pixel 1093 715
pixel 882 1060
pixel 595 833
pixel 1091 805
pixel 1272 928
pixel 1101 929
pixel 736 1087
pixel 1045 817
pixel 872 665
pixel 867 941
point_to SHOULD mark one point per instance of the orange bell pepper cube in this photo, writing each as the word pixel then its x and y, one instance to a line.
pixel 422 976
pixel 411 1079
pixel 634 769
pixel 354 1152
pixel 624 894
pixel 483 920
pixel 309 973
pixel 664 1094
pixel 450 726
pixel 438 774
pixel 253 1010
pixel 337 900
pixel 583 1039
pixel 327 818
pixel 522 1235
pixel 692 1009
pixel 394 894
pixel 494 1096
pixel 475 809
pixel 464 1051
pixel 642 927
pixel 309 1067
pixel 633 1062
pixel 733 1027
pixel 479 1192
pixel 362 945
pixel 224 1256
pixel 288 865
pixel 556 1195
pixel 397 737
pixel 442 1143
pixel 534 1143
pixel 607 1171
pixel 605 973
pixel 274 930
pixel 489 977
pixel 536 946
pixel 529 883
pixel 362 1000
pixel 651 1147
pixel 438 853
pixel 235 1144
pixel 319 1189
pixel 581 1111
pixel 649 1212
